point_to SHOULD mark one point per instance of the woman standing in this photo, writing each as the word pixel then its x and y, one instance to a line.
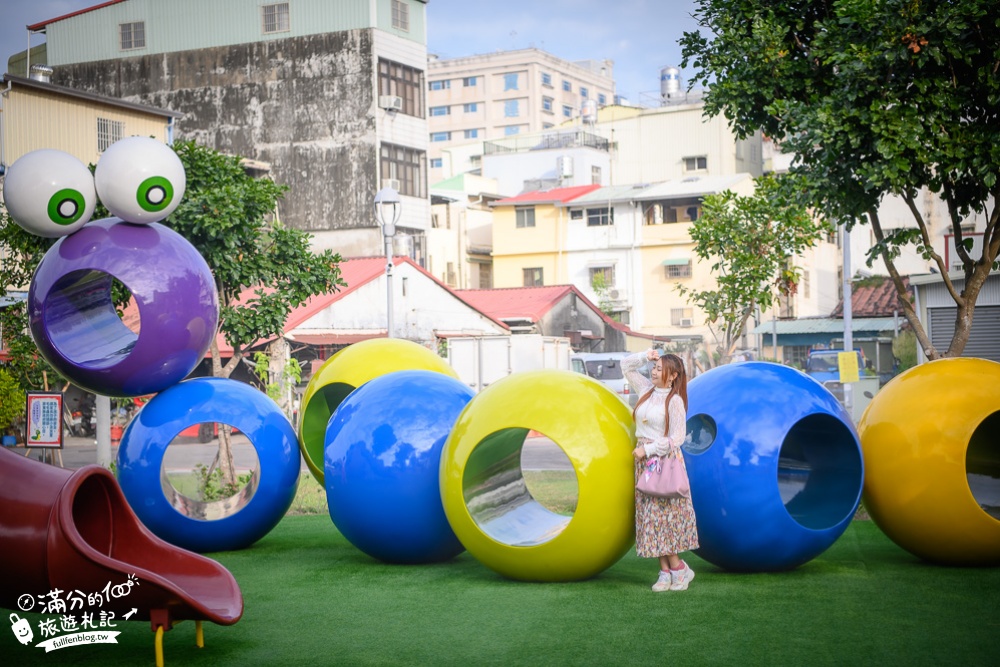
pixel 664 527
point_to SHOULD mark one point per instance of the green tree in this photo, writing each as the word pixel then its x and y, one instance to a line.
pixel 874 98
pixel 751 242
pixel 231 218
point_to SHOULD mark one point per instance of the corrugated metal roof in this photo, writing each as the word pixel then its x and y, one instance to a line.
pixel 90 97
pixel 692 186
pixel 822 325
pixel 528 303
pixel 614 193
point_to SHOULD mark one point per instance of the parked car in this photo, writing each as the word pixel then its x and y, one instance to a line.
pixel 606 368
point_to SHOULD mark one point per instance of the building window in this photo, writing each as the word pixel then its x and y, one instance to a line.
pixel 547 104
pixel 471 134
pixel 584 92
pixel 471 107
pixel 510 81
pixel 440 111
pixel 532 277
pixel 567 86
pixel 795 355
pixel 469 81
pixel 408 166
pixel 682 211
pixel 485 276
pixel 678 269
pixel 511 129
pixel 437 163
pixel 681 317
pixel 108 132
pixel 600 217
pixel 275 18
pixel 546 79
pixel 595 175
pixel 440 136
pixel 576 214
pixel 602 99
pixel 400 15
pixel 567 111
pixel 805 284
pixel 133 35
pixel 525 217
pixel 697 163
pixel 443 84
pixel 511 109
pixel 405 82
pixel 603 275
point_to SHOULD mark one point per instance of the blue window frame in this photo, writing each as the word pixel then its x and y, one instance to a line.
pixel 471 134
pixel 469 81
pixel 547 104
pixel 567 86
pixel 567 111
pixel 512 129
pixel 436 163
pixel 510 81
pixel 584 92
pixel 602 99
pixel 511 109
pixel 440 111
pixel 471 107
pixel 440 136
pixel 441 85
pixel 546 79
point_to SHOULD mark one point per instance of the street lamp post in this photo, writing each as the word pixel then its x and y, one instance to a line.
pixel 387 211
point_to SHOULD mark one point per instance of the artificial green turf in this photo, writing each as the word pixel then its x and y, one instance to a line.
pixel 312 598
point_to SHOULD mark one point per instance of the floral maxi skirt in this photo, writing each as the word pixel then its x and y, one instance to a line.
pixel 663 525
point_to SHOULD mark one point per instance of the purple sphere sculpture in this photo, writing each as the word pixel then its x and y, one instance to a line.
pixel 73 320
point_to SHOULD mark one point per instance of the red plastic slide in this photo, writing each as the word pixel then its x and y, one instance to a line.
pixel 74 532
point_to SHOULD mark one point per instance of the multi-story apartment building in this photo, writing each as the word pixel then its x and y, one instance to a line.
pixel 495 95
pixel 331 95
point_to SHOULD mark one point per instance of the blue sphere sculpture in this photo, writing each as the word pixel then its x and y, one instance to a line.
pixel 382 460
pixel 775 466
pixel 222 525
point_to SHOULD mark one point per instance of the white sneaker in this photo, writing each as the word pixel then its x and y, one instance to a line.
pixel 681 578
pixel 662 582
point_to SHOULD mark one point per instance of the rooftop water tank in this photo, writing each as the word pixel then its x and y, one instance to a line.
pixel 588 112
pixel 670 83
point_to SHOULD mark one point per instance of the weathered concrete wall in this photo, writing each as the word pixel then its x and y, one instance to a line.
pixel 304 105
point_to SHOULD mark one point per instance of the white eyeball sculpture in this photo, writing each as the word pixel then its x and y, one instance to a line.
pixel 49 193
pixel 140 180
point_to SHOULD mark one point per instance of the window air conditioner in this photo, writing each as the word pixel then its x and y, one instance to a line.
pixel 391 102
pixel 391 183
pixel 686 321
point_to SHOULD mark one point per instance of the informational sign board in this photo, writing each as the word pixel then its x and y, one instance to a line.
pixel 44 417
pixel 848 363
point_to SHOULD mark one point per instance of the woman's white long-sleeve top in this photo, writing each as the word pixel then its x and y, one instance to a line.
pixel 650 418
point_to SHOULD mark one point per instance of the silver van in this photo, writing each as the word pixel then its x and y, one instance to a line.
pixel 606 367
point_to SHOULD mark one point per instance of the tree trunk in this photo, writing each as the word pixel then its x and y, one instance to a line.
pixel 225 454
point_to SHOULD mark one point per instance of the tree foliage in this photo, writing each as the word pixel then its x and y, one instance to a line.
pixel 874 98
pixel 751 242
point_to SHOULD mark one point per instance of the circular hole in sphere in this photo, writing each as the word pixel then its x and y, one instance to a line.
pixel 549 474
pixel 818 468
pixel 982 464
pixel 192 480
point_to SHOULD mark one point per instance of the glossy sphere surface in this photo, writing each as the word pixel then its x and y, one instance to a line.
pixel 775 466
pixel 140 180
pixel 485 496
pixel 49 193
pixel 382 460
pixel 222 525
pixel 344 372
pixel 73 320
pixel 932 459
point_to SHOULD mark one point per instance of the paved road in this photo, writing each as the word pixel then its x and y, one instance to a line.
pixel 538 453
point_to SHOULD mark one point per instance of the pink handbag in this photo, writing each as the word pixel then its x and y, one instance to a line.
pixel 664 478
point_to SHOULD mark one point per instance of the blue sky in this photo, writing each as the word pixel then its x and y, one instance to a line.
pixel 640 36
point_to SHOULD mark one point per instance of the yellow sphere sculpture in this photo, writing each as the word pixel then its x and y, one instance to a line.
pixel 344 372
pixel 485 497
pixel 932 459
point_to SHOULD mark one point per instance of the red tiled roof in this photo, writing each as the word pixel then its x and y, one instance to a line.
pixel 530 303
pixel 553 196
pixel 44 24
pixel 873 298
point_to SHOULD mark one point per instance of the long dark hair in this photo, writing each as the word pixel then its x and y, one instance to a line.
pixel 671 364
